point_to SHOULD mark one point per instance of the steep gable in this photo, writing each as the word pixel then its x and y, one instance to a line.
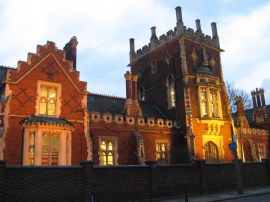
pixel 55 58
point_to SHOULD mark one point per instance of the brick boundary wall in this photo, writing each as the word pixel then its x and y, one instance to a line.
pixel 124 183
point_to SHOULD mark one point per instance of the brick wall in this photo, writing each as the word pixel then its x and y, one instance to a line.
pixel 123 183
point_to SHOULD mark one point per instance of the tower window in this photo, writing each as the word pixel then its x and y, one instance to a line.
pixel 171 92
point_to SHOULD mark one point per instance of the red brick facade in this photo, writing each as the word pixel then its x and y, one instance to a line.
pixel 176 107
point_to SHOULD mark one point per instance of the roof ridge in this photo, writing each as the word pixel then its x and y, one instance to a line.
pixel 105 95
pixel 7 67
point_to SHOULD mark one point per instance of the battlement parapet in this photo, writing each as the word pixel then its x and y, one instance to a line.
pixel 179 31
pixel 254 131
pixel 132 120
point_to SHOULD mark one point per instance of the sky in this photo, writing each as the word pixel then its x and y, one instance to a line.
pixel 103 29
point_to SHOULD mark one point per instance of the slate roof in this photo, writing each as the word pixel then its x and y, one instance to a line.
pixel 44 119
pixel 249 114
pixel 115 105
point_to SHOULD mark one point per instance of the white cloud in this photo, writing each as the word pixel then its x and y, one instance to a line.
pixel 104 27
pixel 246 41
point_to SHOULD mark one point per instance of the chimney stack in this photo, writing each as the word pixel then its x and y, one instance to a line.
pixel 198 25
pixel 179 20
pixel 214 32
pixel 71 50
pixel 132 54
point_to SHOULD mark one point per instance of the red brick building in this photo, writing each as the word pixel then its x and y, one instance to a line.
pixel 176 107
pixel 252 128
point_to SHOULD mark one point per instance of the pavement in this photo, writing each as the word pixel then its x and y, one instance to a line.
pixel 220 196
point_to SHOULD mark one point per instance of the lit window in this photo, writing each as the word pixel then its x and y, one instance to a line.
pixel 203 102
pixel 141 93
pixel 50 149
pixel 214 103
pixel 31 148
pixel 107 148
pixel 162 153
pixel 261 151
pixel 171 91
pixel 47 103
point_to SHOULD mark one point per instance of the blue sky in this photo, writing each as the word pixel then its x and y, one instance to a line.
pixel 103 29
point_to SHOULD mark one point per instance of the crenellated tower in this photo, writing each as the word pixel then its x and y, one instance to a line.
pixel 181 73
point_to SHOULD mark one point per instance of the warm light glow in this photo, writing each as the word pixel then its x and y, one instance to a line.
pixel 47 104
pixel 107 152
pixel 162 152
pixel 50 149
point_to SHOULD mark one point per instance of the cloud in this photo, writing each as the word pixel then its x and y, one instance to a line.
pixel 246 41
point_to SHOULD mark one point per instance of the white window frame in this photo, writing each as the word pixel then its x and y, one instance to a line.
pixel 64 157
pixel 58 87
pixel 209 102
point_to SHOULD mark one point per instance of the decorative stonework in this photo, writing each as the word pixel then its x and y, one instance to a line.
pixel 151 121
pixel 194 57
pixel 119 118
pixel 107 117
pixel 130 120
pixel 160 122
pixel 140 121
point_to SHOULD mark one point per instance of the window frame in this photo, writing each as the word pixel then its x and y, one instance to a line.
pixel 58 87
pixel 115 150
pixel 209 102
pixel 166 152
pixel 171 93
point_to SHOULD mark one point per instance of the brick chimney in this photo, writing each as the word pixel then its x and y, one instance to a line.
pixel 132 106
pixel 153 38
pixel 214 32
pixel 241 120
pixel 71 50
pixel 136 106
pixel 179 20
pixel 259 112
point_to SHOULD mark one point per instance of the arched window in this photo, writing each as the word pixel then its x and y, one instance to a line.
pixel 141 93
pixel 170 91
pixel 211 152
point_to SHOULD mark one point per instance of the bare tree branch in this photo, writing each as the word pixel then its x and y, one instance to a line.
pixel 233 92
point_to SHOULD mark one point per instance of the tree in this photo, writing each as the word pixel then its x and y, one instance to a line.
pixel 233 92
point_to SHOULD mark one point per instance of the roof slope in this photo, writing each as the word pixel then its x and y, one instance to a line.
pixel 115 105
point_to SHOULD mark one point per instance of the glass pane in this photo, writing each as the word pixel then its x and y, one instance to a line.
pixel 103 158
pixel 103 145
pixel 55 140
pixel 42 108
pixel 54 156
pixel 110 146
pixel 43 91
pixel 45 139
pixel 45 155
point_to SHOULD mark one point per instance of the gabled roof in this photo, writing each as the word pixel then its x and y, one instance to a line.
pixel 115 105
